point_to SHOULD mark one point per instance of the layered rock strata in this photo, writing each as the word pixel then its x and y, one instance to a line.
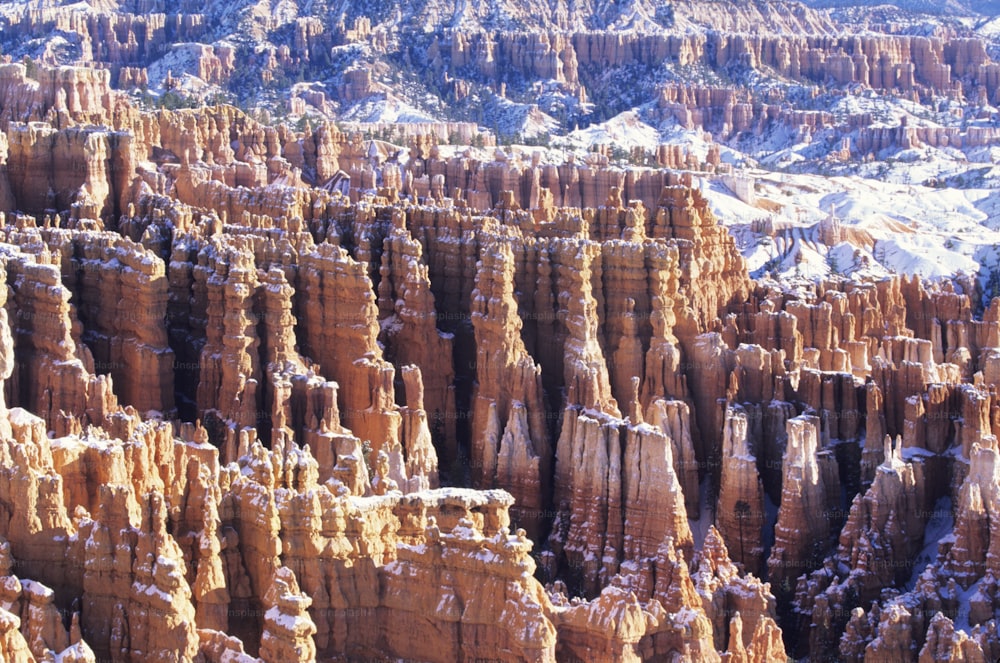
pixel 224 405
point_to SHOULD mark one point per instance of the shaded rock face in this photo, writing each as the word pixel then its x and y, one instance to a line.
pixel 247 423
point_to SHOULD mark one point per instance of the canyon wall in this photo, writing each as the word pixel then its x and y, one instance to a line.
pixel 248 417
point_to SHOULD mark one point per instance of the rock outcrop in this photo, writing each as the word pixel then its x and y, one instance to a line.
pixel 228 379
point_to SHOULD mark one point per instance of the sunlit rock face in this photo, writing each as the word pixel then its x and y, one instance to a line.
pixel 524 413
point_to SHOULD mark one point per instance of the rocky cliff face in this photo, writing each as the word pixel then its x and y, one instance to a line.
pixel 249 418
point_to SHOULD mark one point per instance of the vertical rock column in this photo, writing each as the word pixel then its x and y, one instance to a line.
pixel 7 361
pixel 209 593
pixel 586 376
pixel 977 539
pixel 129 341
pixel 302 403
pixel 653 499
pixel 411 334
pixel 510 445
pixel 230 363
pixel 673 418
pixel 802 527
pixel 288 628
pixel 740 512
pixel 587 482
pixel 7 202
pixel 339 318
pixel 421 458
pixel 159 621
pixel 664 395
pixel 55 378
pixel 664 376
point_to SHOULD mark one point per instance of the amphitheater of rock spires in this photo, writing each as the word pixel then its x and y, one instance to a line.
pixel 279 391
